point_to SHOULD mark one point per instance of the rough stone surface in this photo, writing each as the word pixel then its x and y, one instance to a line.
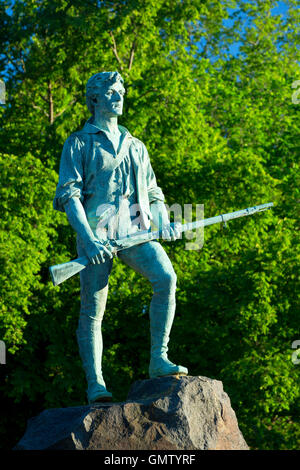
pixel 167 413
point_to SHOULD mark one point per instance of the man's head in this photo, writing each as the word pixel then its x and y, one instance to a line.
pixel 105 90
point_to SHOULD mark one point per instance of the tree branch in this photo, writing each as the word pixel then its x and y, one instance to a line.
pixel 44 98
pixel 132 51
pixel 151 90
pixel 65 108
pixel 40 109
pixel 115 51
pixel 35 106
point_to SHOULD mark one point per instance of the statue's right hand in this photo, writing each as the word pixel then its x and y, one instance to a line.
pixel 97 252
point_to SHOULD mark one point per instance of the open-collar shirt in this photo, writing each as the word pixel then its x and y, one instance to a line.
pixel 91 169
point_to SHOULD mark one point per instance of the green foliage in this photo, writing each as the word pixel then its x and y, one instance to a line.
pixel 25 236
pixel 222 131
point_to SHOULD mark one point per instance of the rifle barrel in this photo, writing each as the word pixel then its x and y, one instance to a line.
pixel 62 272
pixel 225 217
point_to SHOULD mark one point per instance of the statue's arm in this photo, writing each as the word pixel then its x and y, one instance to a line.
pixel 70 183
pixel 69 197
pixel 77 218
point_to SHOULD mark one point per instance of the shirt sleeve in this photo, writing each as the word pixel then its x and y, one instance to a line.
pixel 70 183
pixel 154 191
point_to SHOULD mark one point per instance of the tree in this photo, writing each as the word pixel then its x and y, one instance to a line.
pixel 221 130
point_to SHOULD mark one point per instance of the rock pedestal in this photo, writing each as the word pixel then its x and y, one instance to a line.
pixel 166 413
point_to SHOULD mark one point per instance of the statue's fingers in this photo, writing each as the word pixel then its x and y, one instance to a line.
pixel 177 228
pixel 107 252
pixel 99 258
pixel 172 234
pixel 166 234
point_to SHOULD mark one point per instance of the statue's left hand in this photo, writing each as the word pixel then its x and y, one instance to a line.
pixel 172 231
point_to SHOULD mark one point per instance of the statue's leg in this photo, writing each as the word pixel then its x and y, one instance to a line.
pixel 93 293
pixel 151 260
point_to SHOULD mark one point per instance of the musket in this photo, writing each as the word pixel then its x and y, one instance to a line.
pixel 61 272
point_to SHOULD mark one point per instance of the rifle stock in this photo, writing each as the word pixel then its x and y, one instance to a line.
pixel 61 272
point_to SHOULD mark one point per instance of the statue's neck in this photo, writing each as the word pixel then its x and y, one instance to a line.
pixel 107 123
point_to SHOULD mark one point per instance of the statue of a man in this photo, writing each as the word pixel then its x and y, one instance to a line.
pixel 104 171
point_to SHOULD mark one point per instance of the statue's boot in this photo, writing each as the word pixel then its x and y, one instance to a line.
pixel 161 320
pixel 89 337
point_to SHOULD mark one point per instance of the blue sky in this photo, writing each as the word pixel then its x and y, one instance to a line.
pixel 280 9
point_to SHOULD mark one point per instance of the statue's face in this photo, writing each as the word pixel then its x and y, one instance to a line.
pixel 110 99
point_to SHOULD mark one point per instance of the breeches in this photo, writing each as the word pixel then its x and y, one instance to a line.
pixel 149 259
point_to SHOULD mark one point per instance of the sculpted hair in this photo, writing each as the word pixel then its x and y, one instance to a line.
pixel 97 82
